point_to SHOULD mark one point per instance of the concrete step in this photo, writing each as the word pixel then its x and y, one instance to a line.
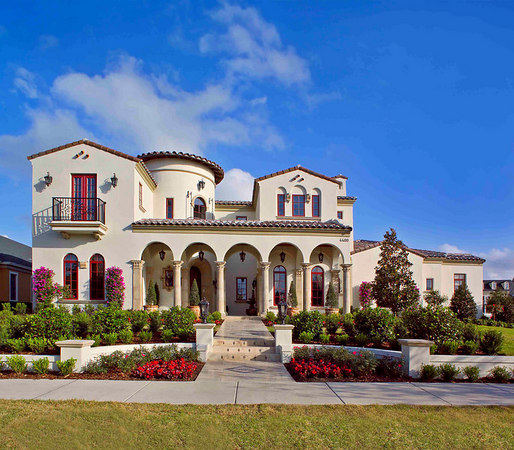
pixel 243 342
pixel 220 356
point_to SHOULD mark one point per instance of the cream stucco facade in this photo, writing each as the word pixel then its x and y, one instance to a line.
pixel 156 217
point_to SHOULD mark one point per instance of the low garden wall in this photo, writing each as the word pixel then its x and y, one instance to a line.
pixel 378 352
pixel 484 363
pixel 30 358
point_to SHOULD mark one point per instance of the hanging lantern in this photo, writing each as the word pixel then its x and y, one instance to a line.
pixel 201 254
pixel 48 179
pixel 282 256
pixel 320 257
pixel 242 255
pixel 114 181
pixel 162 255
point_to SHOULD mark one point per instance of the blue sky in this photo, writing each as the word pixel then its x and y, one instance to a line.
pixel 413 101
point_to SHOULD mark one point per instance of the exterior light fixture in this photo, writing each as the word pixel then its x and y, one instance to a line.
pixel 162 255
pixel 201 254
pixel 48 179
pixel 114 180
pixel 242 255
pixel 308 198
pixel 254 283
pixel 215 283
pixel 282 311
pixel 204 309
pixel 282 256
pixel 320 257
pixel 201 184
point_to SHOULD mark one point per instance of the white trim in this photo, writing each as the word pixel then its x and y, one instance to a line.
pixel 17 286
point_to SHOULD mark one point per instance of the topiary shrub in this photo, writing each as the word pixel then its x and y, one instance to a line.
pixel 194 294
pixel 463 304
pixel 151 296
pixel 292 299
pixel 491 342
pixel 310 321
pixel 331 297
pixel 472 373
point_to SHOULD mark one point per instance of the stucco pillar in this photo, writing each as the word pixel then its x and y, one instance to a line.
pixel 415 354
pixel 221 304
pixel 306 286
pixel 299 287
pixel 185 287
pixel 137 283
pixel 265 287
pixel 346 282
pixel 177 280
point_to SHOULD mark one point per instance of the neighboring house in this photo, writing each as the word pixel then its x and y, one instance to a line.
pixel 15 271
pixel 496 285
pixel 157 217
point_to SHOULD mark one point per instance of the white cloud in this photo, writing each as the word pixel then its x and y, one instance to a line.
pixel 259 101
pixel 25 82
pixel 499 263
pixel 254 47
pixel 47 41
pixel 449 248
pixel 237 185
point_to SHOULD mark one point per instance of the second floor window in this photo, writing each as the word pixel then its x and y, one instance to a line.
pixel 430 284
pixel 458 279
pixel 315 206
pixel 340 215
pixel 169 208
pixel 200 209
pixel 281 205
pixel 299 205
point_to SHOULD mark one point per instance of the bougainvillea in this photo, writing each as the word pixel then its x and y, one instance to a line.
pixel 178 369
pixel 365 294
pixel 45 290
pixel 114 286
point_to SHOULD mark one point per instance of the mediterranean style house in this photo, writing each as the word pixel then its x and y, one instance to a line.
pixel 156 217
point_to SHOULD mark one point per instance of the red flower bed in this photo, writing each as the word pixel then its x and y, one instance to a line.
pixel 310 368
pixel 178 369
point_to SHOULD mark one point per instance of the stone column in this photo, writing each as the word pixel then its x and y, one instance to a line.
pixel 299 287
pixel 177 283
pixel 137 283
pixel 415 353
pixel 346 297
pixel 306 286
pixel 221 304
pixel 265 287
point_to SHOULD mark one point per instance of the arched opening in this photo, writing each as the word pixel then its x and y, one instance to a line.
pixel 158 270
pixel 71 276
pixel 328 259
pixel 195 275
pixel 199 263
pixel 317 286
pixel 200 208
pixel 97 277
pixel 279 284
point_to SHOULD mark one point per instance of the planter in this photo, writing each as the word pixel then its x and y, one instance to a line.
pixel 331 310
pixel 151 307
pixel 292 311
pixel 196 310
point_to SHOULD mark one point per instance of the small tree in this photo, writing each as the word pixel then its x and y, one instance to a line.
pixel 393 286
pixel 151 296
pixel 331 298
pixel 157 293
pixel 434 298
pixel 292 299
pixel 501 305
pixel 365 294
pixel 463 303
pixel 114 286
pixel 194 294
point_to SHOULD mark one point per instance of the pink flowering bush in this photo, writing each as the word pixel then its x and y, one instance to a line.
pixel 45 290
pixel 114 286
pixel 365 294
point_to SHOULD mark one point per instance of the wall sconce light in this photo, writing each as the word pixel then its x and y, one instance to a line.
pixel 242 255
pixel 162 255
pixel 48 179
pixel 114 180
pixel 201 184
pixel 320 257
pixel 308 198
pixel 282 256
pixel 288 197
pixel 201 254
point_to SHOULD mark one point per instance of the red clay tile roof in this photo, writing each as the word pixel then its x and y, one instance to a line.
pixel 219 174
pixel 291 169
pixel 299 224
pixel 234 202
pixel 362 244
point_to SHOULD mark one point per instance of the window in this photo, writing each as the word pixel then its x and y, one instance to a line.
pixel 506 285
pixel 315 206
pixel 281 205
pixel 241 218
pixel 279 284
pixel 71 275
pixel 200 208
pixel 493 285
pixel 430 284
pixel 169 208
pixel 241 289
pixel 458 279
pixel 140 195
pixel 83 191
pixel 13 286
pixel 97 277
pixel 299 205
pixel 317 282
pixel 340 215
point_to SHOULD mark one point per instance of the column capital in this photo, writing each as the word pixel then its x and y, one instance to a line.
pixel 221 264
pixel 346 267
pixel 298 271
pixel 306 266
pixel 335 271
pixel 137 263
pixel 177 264
pixel 265 264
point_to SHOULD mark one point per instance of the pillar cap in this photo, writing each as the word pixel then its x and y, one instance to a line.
pixel 280 327
pixel 75 343
pixel 204 326
pixel 415 342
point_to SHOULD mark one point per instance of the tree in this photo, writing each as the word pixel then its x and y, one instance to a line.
pixel 331 298
pixel 393 286
pixel 434 298
pixel 194 294
pixel 292 299
pixel 501 304
pixel 151 296
pixel 463 303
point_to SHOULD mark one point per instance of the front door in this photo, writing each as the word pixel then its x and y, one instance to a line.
pixel 83 192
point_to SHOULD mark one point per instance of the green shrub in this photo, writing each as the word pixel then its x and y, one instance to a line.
pixel 292 298
pixel 89 310
pixel 271 316
pixel 310 321
pixel 449 347
pixel 177 318
pixel 126 336
pixel 216 315
pixel 37 345
pixel 76 309
pixel 390 367
pixel 194 294
pixel 349 326
pixel 332 323
pixel 437 324
pixel 4 335
pixel 324 338
pixel 429 372
pixel 109 319
pixel 151 296
pixel 95 337
pixel 50 323
pixel 434 298
pixel 500 374
pixel 17 363
pixel 41 365
pixel 6 306
pixel 342 339
pixel 81 324
pixel 306 337
pixel 138 320
pixel 470 347
pixel 154 321
pixel 16 345
pixel 362 340
pixel 3 366
pixel 364 363
pixel 470 332
pixel 448 372
pixel 167 335
pixel 491 342
pixel 17 325
pixel 20 308
pixel 110 338
pixel 331 297
pixel 184 333
pixel 66 367
pixel 472 373
pixel 377 323
pixel 145 336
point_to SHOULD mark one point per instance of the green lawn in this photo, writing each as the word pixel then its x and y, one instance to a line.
pixel 80 424
pixel 508 334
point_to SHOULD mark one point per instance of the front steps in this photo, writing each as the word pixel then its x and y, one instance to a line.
pixel 243 350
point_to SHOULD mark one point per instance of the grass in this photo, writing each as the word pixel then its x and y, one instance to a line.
pixel 508 335
pixel 80 424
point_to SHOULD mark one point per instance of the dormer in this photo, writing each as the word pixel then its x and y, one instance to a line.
pixel 506 285
pixel 493 285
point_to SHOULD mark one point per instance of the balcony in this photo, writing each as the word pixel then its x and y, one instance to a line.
pixel 79 216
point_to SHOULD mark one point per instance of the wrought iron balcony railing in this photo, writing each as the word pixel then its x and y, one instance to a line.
pixel 78 209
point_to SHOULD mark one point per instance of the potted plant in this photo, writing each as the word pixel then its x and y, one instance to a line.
pixel 331 300
pixel 194 299
pixel 151 298
pixel 292 300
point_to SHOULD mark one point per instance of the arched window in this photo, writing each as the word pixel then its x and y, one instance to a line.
pixel 97 277
pixel 71 275
pixel 279 284
pixel 200 208
pixel 317 283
